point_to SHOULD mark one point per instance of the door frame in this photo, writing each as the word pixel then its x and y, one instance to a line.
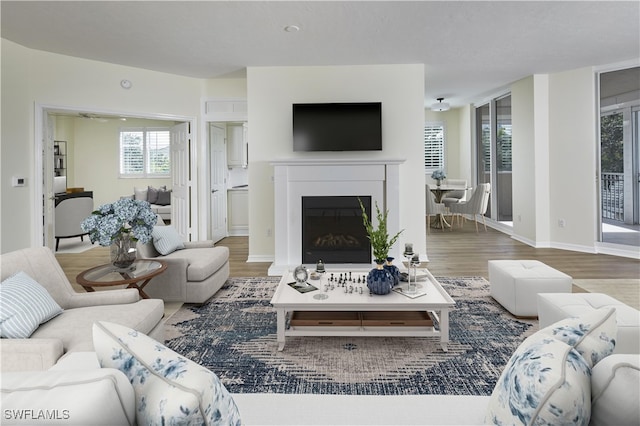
pixel 214 110
pixel 42 110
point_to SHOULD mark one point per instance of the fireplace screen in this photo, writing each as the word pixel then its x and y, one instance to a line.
pixel 332 230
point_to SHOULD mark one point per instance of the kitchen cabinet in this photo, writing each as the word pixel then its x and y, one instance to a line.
pixel 238 212
pixel 237 145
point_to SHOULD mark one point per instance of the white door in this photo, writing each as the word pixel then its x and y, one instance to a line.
pixel 181 177
pixel 218 170
pixel 47 181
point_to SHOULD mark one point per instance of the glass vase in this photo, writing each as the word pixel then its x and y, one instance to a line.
pixel 123 251
pixel 379 280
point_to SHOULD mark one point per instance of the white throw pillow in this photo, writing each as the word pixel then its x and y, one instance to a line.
pixel 546 382
pixel 166 239
pixel 592 334
pixel 140 194
pixel 169 388
pixel 24 305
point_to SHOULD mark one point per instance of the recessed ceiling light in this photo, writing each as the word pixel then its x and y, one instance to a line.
pixel 292 28
pixel 126 84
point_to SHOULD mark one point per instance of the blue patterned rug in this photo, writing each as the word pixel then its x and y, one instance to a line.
pixel 234 335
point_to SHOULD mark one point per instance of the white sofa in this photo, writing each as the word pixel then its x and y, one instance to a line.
pixel 162 209
pixel 70 331
pixel 77 382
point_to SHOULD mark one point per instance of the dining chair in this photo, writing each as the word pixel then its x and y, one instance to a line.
pixel 476 205
pixel 69 214
pixel 435 209
pixel 453 197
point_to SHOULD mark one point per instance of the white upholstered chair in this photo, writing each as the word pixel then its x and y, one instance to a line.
pixel 453 197
pixel 476 205
pixel 69 214
pixel 434 209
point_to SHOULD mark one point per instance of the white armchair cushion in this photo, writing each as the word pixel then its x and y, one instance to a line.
pixel 80 397
pixel 24 305
pixel 166 239
pixel 615 392
pixel 169 388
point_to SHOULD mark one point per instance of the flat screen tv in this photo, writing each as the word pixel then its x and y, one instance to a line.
pixel 337 126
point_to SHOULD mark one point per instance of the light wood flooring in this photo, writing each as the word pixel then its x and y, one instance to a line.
pixel 461 252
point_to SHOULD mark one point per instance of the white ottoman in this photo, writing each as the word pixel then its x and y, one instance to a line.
pixel 515 284
pixel 555 307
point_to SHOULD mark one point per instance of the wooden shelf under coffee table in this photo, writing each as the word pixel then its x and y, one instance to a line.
pixel 342 313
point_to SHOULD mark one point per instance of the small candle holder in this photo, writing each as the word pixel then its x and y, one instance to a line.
pixel 413 262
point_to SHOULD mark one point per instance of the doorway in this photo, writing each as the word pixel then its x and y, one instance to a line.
pixel 620 157
pixel 44 143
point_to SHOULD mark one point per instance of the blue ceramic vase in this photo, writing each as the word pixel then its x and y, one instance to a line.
pixel 379 280
pixel 393 271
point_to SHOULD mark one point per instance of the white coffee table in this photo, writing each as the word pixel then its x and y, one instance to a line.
pixel 354 308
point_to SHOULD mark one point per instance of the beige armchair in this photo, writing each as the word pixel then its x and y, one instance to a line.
pixel 193 275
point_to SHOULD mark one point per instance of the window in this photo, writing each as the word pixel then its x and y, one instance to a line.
pixel 433 147
pixel 144 152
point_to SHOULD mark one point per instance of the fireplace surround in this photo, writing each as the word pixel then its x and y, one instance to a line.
pixel 298 178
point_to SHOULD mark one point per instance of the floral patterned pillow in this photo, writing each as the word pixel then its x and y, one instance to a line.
pixel 169 388
pixel 546 382
pixel 592 334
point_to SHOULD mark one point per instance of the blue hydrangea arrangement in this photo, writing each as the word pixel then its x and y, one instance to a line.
pixel 125 216
pixel 438 175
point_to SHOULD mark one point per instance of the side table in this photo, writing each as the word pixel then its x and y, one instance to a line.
pixel 136 276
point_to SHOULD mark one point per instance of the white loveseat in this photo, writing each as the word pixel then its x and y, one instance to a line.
pixel 608 394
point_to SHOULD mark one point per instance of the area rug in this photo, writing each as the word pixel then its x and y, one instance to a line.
pixel 234 335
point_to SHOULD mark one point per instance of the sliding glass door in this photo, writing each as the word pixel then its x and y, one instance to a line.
pixel 620 157
pixel 494 155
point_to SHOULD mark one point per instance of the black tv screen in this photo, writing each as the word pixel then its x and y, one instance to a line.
pixel 337 127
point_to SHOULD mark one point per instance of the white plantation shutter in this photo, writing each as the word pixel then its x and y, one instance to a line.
pixel 144 152
pixel 158 143
pixel 131 152
pixel 433 147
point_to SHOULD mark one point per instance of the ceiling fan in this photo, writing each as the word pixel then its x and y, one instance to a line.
pixel 99 118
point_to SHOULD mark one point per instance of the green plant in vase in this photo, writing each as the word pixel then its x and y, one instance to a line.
pixel 379 280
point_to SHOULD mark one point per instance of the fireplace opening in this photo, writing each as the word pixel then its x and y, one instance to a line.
pixel 332 230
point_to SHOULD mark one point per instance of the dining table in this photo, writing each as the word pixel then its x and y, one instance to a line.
pixel 439 191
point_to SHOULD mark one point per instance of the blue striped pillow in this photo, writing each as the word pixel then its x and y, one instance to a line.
pixel 24 305
pixel 166 239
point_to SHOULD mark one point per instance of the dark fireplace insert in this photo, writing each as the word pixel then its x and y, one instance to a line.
pixel 332 230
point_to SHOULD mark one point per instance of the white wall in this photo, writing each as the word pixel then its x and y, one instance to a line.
pixel 572 159
pixel 31 77
pixel 530 115
pixel 272 91
pixel 90 140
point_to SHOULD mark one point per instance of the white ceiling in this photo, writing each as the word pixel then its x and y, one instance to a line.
pixel 469 48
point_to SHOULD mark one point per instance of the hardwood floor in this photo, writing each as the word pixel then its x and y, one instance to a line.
pixel 461 252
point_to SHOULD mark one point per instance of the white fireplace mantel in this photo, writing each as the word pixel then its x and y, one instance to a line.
pixel 297 178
